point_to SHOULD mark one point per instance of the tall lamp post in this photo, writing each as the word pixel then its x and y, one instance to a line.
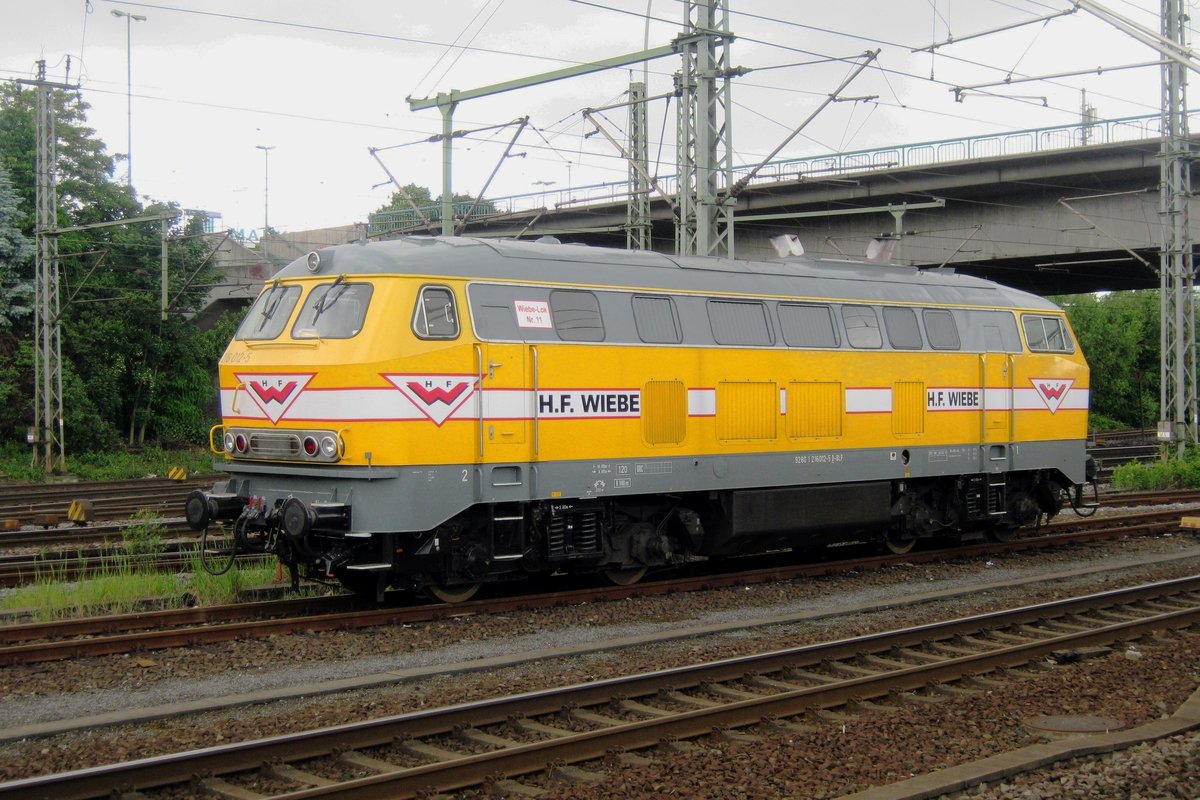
pixel 129 20
pixel 266 148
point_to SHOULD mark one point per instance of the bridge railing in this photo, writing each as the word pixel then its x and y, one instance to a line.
pixel 1032 140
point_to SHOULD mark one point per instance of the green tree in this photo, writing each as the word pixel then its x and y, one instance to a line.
pixel 1119 336
pixel 16 255
pixel 126 373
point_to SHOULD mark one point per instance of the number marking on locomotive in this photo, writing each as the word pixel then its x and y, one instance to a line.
pixel 533 314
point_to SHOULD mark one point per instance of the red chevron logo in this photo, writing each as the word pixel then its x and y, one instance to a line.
pixel 273 393
pixel 435 396
pixel 1055 392
pixel 1052 391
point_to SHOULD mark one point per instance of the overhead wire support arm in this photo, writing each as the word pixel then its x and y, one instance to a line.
pixel 400 189
pixel 1009 27
pixel 1147 36
pixel 744 181
pixel 587 113
pixel 520 123
pixel 1175 51
pixel 1009 80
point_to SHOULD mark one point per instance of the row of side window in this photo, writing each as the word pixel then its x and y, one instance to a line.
pixel 524 313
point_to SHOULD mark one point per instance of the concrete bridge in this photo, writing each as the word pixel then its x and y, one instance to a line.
pixel 1066 209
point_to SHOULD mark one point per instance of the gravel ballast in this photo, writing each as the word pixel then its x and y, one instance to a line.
pixel 1164 673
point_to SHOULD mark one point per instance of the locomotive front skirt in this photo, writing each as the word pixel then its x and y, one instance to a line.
pixel 433 413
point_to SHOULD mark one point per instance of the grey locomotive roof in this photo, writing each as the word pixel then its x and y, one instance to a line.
pixel 550 262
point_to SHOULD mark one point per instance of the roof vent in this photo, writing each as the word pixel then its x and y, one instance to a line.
pixel 548 240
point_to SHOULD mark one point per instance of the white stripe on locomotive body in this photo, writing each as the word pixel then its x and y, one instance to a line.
pixel 390 405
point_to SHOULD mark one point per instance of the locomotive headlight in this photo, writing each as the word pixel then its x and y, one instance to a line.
pixel 228 442
pixel 314 261
pixel 329 447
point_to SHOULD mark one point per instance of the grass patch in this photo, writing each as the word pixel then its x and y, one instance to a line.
pixel 218 589
pixel 107 466
pixel 121 586
pixel 127 583
pixel 1174 473
pixel 143 536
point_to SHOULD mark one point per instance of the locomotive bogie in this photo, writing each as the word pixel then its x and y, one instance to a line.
pixel 442 413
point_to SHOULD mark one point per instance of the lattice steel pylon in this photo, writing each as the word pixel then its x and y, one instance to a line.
pixel 1177 392
pixel 47 350
pixel 704 131
pixel 637 217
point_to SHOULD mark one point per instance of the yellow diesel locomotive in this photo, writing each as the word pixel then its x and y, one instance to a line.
pixel 435 413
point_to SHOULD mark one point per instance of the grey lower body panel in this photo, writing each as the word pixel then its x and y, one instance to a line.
pixel 420 498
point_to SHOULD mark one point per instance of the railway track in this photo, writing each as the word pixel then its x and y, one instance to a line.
pixel 48 505
pixel 68 565
pixel 515 741
pixel 156 630
pixel 176 528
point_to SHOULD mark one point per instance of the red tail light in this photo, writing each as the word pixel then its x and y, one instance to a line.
pixel 310 446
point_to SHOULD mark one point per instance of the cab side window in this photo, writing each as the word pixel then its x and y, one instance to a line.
pixel 435 316
pixel 1047 335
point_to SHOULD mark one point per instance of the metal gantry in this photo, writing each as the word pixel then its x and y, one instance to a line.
pixel 1176 274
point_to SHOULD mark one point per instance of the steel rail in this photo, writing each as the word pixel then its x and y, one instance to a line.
pixel 616 734
pixel 175 528
pixel 222 632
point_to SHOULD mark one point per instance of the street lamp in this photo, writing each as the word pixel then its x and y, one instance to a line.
pixel 266 148
pixel 129 20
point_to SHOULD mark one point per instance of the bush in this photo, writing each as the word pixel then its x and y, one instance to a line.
pixel 1099 422
pixel 111 465
pixel 1174 473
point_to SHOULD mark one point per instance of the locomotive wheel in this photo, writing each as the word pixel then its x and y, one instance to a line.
pixel 625 576
pixel 1001 534
pixel 458 593
pixel 898 542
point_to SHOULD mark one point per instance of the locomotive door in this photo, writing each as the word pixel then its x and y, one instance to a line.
pixel 996 419
pixel 506 400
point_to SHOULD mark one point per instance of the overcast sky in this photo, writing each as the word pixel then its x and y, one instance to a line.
pixel 322 82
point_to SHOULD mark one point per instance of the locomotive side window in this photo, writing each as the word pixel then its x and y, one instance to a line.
pixel 656 320
pixel 739 322
pixel 576 316
pixel 435 316
pixel 862 327
pixel 941 330
pixel 1046 334
pixel 333 311
pixel 807 326
pixel 902 330
pixel 269 314
pixel 997 329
